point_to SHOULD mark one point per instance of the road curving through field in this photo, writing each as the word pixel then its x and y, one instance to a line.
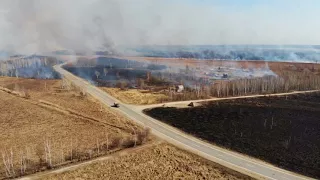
pixel 232 160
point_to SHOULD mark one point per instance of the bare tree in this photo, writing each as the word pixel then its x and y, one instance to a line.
pixel 110 64
pixel 97 73
pixel 23 163
pixel 62 158
pixel 8 163
pixel 140 83
pixel 107 142
pixel 105 71
pixel 71 150
pixel 122 85
pixel 8 166
pixel 134 137
pixel 47 150
pixel 98 146
pixel 17 73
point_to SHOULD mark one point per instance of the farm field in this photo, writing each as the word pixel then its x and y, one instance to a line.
pixel 54 126
pixel 160 161
pixel 67 97
pixel 284 131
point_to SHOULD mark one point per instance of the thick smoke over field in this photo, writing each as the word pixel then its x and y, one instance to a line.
pixel 240 52
pixel 33 26
pixel 37 26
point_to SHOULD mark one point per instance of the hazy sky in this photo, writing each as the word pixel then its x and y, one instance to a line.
pixel 42 25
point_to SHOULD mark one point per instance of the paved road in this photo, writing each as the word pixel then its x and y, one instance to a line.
pixel 232 160
pixel 185 103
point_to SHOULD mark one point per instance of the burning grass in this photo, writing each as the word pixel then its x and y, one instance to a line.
pixel 34 66
pixel 188 79
pixel 161 161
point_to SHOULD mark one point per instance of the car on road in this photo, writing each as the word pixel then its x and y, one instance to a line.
pixel 116 105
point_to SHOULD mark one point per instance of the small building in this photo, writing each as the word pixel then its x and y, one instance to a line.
pixel 180 88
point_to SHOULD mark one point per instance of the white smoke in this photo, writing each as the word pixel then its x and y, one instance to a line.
pixel 29 26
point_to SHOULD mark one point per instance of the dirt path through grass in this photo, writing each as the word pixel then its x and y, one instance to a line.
pixel 85 163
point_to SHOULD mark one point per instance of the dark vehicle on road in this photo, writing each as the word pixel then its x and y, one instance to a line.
pixel 116 105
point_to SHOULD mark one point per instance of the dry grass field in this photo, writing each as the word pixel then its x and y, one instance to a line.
pixel 53 126
pixel 161 161
pixel 70 126
pixel 51 91
pixel 135 96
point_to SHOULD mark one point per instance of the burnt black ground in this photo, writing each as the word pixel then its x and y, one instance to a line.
pixel 284 131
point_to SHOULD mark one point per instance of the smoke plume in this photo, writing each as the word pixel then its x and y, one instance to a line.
pixel 33 26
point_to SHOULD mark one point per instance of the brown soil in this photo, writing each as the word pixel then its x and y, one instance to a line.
pixel 134 96
pixel 160 161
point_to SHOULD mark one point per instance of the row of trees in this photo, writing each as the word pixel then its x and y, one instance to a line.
pixel 10 67
pixel 287 82
pixel 52 154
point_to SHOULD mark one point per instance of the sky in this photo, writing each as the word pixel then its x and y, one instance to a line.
pixel 87 25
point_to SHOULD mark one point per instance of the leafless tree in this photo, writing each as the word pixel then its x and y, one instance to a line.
pixel 98 146
pixel 107 143
pixel 17 73
pixel 110 64
pixel 71 150
pixel 140 83
pixel 8 164
pixel 48 154
pixel 23 163
pixel 134 137
pixel 97 73
pixel 122 85
pixel 62 158
pixel 105 71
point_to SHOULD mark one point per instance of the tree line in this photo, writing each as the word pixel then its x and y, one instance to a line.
pixel 288 81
